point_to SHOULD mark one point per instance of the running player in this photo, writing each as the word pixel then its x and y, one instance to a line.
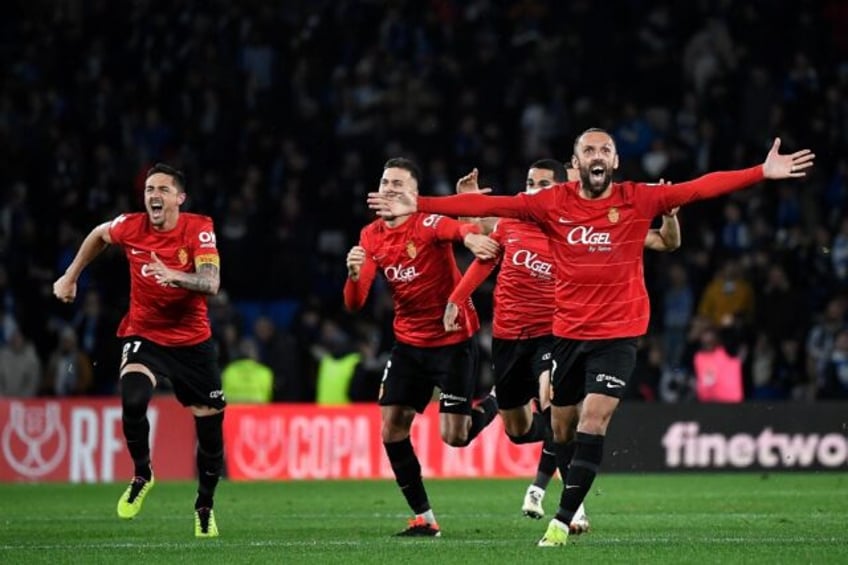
pixel 596 228
pixel 174 265
pixel 415 254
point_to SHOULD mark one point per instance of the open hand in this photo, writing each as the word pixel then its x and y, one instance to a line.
pixel 794 165
pixel 469 185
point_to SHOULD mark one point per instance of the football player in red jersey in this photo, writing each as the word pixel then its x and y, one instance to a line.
pixel 174 265
pixel 596 229
pixel 415 254
pixel 522 338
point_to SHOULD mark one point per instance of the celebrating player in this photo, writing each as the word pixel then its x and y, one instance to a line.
pixel 415 254
pixel 596 229
pixel 174 265
pixel 523 316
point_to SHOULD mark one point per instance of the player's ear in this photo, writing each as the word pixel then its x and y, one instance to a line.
pixel 615 162
pixel 181 198
pixel 574 163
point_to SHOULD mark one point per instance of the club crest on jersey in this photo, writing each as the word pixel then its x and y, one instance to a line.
pixel 411 250
pixel 613 215
pixel 182 256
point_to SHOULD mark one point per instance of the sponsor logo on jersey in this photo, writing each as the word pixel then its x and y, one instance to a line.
pixel 400 273
pixel 531 261
pixel 586 235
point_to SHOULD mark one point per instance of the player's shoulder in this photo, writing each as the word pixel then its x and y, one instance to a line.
pixel 632 189
pixel 427 219
pixel 128 218
pixel 193 219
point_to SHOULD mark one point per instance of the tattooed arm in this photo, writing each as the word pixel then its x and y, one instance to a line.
pixel 206 279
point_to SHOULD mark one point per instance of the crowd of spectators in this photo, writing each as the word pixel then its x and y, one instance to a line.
pixel 282 113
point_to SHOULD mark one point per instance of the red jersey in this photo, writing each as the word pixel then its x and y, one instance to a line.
pixel 524 293
pixel 165 315
pixel 596 244
pixel 417 260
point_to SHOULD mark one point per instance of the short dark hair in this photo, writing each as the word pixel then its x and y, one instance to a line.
pixel 174 173
pixel 405 164
pixel 591 130
pixel 552 165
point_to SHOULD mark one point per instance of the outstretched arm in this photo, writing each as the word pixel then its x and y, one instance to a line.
pixel 458 205
pixel 65 287
pixel 667 238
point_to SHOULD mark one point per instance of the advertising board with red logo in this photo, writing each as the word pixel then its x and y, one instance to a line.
pixel 81 441
pixel 311 442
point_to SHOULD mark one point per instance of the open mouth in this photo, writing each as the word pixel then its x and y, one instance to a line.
pixel 156 209
pixel 597 172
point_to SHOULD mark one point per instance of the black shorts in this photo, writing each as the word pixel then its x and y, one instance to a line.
pixel 600 366
pixel 516 366
pixel 412 373
pixel 191 369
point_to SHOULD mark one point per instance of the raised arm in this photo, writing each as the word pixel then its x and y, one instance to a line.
pixel 667 238
pixel 469 185
pixel 65 287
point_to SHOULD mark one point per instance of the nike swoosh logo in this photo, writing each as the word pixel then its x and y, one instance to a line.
pixel 613 385
pixel 448 404
pixel 564 221
pixel 571 486
pixel 512 240
pixel 136 251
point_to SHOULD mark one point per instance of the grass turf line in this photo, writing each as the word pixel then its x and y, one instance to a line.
pixel 680 518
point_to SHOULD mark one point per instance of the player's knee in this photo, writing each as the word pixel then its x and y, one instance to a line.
pixel 391 432
pixel 594 423
pixel 455 438
pixel 136 392
pixel 516 429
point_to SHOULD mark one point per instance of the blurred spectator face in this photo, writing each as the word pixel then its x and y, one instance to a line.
pixel 777 277
pixel 263 328
pixel 92 303
pixel 841 342
pixel 67 341
pixel 709 339
pixel 17 341
pixel 596 159
pixel 677 275
pixel 732 213
pixel 248 349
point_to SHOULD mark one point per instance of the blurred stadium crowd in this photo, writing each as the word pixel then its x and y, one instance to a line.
pixel 282 113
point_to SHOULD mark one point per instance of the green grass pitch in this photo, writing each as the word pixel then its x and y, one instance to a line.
pixel 681 518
